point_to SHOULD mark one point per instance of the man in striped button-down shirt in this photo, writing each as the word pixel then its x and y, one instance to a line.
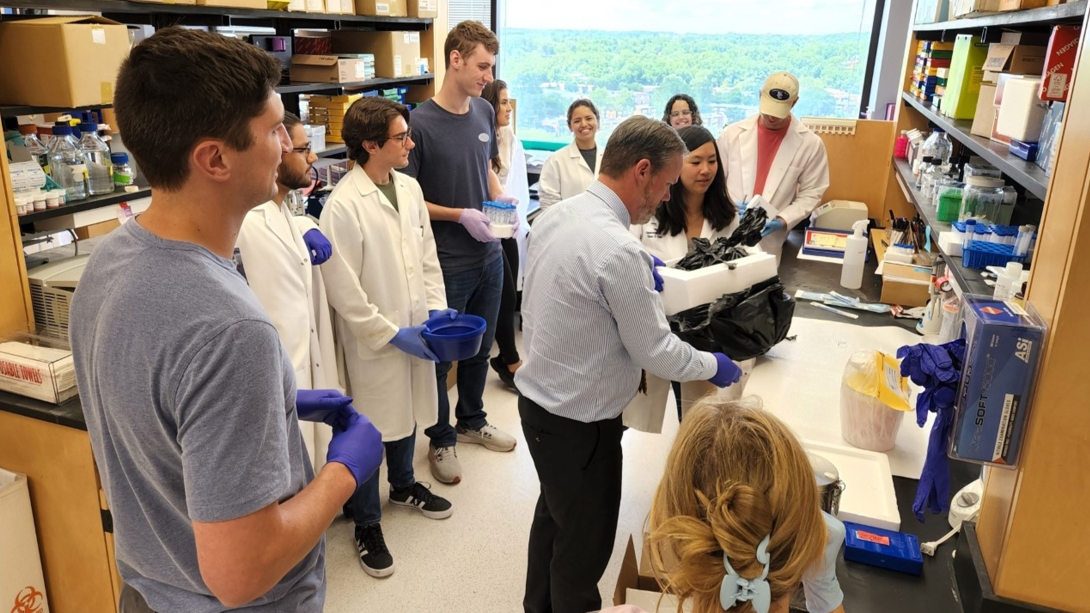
pixel 592 321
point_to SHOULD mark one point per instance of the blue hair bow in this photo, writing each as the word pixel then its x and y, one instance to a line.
pixel 736 589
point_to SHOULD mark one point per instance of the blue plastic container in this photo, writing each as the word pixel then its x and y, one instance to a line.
pixel 982 254
pixel 454 339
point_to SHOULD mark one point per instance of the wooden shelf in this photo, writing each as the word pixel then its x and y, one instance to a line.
pixel 12 111
pixel 147 8
pixel 1049 15
pixel 967 279
pixel 1027 174
pixel 86 204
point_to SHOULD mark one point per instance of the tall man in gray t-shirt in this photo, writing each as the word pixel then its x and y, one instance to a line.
pixel 189 395
pixel 455 135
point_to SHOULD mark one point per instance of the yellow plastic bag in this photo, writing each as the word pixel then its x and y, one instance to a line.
pixel 873 399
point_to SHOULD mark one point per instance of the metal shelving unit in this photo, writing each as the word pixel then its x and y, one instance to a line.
pixel 332 152
pixel 967 278
pixel 120 7
pixel 87 204
pixel 305 88
pixel 1027 174
pixel 1049 15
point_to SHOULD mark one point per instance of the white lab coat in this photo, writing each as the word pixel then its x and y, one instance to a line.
pixel 515 183
pixel 796 181
pixel 278 269
pixel 384 275
pixel 647 411
pixel 566 174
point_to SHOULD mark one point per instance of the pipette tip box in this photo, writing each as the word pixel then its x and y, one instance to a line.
pixel 883 548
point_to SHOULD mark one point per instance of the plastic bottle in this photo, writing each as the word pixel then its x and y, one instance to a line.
pixel 939 147
pixel 970 231
pixel 930 183
pixel 67 165
pixel 1007 286
pixel 100 173
pixel 1025 237
pixel 925 165
pixel 900 148
pixel 124 174
pixel 855 254
pixel 35 145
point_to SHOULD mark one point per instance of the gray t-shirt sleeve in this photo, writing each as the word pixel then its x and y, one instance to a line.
pixel 232 417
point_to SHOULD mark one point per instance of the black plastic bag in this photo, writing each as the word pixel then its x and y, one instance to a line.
pixel 742 325
pixel 704 253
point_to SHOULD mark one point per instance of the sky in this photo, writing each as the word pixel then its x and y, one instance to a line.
pixel 693 16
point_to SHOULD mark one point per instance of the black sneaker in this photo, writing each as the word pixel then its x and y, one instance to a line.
pixel 506 376
pixel 420 497
pixel 374 555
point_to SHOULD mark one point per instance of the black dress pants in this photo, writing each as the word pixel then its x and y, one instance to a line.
pixel 505 324
pixel 575 522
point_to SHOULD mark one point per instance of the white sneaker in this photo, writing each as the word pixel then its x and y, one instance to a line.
pixel 445 466
pixel 490 436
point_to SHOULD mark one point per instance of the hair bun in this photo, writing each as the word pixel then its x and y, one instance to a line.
pixel 740 518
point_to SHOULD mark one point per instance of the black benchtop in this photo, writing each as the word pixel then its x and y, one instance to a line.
pixel 68 414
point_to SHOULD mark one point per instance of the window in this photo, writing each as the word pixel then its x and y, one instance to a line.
pixel 631 56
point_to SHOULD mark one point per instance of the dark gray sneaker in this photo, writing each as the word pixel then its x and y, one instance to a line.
pixel 419 496
pixel 375 557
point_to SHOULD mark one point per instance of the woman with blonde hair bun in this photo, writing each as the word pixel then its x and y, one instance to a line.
pixel 736 523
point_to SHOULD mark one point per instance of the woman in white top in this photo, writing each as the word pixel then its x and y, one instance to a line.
pixel 570 171
pixel 698 208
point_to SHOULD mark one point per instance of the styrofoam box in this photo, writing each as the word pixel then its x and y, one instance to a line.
pixel 1022 112
pixel 868 497
pixel 950 243
pixel 685 289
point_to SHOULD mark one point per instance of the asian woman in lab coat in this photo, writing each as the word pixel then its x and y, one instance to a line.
pixel 510 167
pixel 569 172
pixel 698 208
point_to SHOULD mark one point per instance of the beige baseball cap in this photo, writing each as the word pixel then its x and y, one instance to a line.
pixel 779 94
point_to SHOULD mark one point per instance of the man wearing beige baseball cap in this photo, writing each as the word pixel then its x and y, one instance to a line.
pixel 774 155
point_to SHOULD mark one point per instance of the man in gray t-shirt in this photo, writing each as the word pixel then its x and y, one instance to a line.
pixel 455 136
pixel 189 395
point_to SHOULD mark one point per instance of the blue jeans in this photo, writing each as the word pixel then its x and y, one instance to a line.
pixel 364 506
pixel 477 292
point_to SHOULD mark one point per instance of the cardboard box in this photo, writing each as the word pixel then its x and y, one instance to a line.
pixel 965 77
pixel 972 8
pixel 348 7
pixel 1022 112
pixel 984 116
pixel 326 69
pixel 1021 5
pixel 298 6
pixel 905 284
pixel 1063 46
pixel 315 6
pixel 21 578
pixel 61 61
pixel 1004 345
pixel 1019 37
pixel 385 8
pixel 333 7
pixel 235 4
pixel 396 53
pixel 430 8
pixel 1015 59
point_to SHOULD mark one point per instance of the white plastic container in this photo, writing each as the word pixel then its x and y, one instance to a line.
pixel 865 421
pixel 1022 112
pixel 685 289
pixel 855 254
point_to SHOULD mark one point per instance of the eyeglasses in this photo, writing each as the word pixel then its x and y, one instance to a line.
pixel 404 136
pixel 305 149
pixel 676 114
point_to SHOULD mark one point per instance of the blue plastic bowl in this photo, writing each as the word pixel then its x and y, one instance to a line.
pixel 455 339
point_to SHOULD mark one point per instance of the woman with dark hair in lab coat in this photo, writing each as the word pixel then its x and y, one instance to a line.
pixel 570 171
pixel 698 208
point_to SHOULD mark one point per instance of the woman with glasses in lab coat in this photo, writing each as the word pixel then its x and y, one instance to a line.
pixel 570 171
pixel 698 208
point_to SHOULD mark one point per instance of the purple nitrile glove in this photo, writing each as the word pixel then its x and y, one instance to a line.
pixel 727 374
pixel 410 341
pixel 436 313
pixel 934 487
pixel 504 198
pixel 655 263
pixel 358 445
pixel 318 245
pixel 327 406
pixel 478 225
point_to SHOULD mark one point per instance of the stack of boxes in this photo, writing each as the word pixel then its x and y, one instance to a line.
pixel 397 54
pixel 329 111
pixel 932 66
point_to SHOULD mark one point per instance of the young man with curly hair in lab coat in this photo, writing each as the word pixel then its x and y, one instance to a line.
pixel 384 284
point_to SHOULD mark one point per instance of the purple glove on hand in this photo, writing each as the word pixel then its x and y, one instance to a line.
pixel 655 263
pixel 728 372
pixel 327 406
pixel 448 313
pixel 504 198
pixel 478 225
pixel 358 445
pixel 318 245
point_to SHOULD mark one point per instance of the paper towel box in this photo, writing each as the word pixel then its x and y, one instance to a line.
pixel 21 581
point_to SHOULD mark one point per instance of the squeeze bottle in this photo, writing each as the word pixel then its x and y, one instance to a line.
pixel 855 253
